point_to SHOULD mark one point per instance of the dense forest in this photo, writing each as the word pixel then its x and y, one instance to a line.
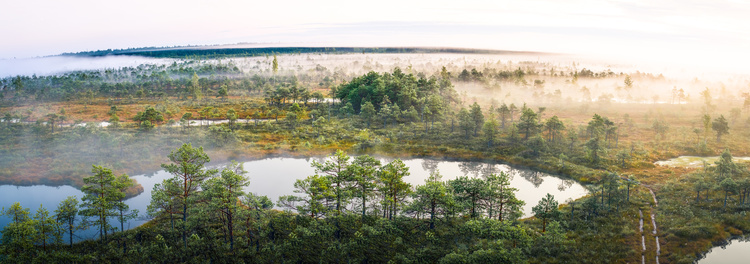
pixel 203 52
pixel 180 116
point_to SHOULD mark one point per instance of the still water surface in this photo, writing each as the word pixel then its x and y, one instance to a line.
pixel 736 252
pixel 275 177
pixel 694 161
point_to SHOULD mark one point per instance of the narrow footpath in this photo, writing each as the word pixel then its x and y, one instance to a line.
pixel 654 231
pixel 643 238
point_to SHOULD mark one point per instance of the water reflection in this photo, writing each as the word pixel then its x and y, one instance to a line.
pixel 534 177
pixel 275 177
pixel 736 251
pixel 470 167
pixel 489 169
pixel 565 184
pixel 430 165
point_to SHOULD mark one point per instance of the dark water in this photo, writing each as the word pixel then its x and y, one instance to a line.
pixel 275 177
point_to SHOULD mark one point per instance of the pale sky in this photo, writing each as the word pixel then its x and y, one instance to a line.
pixel 707 33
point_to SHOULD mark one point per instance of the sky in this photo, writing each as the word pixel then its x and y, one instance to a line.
pixel 713 34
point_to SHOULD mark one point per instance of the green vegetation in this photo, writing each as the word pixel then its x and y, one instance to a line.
pixel 355 209
pixel 222 223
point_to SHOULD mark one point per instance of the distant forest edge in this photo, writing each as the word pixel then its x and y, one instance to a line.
pixel 220 52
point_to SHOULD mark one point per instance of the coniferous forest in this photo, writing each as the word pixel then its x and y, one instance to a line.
pixel 360 113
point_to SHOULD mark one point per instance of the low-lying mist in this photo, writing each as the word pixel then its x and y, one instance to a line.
pixel 54 65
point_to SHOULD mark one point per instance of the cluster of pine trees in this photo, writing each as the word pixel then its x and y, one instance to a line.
pixel 352 210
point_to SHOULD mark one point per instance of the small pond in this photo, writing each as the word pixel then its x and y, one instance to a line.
pixel 737 251
pixel 275 177
pixel 694 161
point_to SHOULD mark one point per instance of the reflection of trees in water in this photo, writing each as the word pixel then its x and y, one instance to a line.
pixel 430 165
pixel 318 159
pixel 534 177
pixel 565 184
pixel 498 168
pixel 490 169
pixel 470 167
pixel 386 160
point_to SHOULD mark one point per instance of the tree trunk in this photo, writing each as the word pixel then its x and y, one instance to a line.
pixel 726 195
pixel 184 222
pixel 473 208
pixel 432 216
pixel 364 204
pixel 628 192
pixel 70 231
pixel 338 198
pixel 122 228
pixel 572 211
pixel 500 212
pixel 44 236
pixel 231 231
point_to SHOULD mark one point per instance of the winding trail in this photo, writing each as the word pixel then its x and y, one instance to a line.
pixel 654 232
pixel 643 238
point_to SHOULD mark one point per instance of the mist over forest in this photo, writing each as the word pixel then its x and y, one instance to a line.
pixel 659 154
pixel 540 131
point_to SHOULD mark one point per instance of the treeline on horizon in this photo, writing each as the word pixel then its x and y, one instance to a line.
pixel 208 52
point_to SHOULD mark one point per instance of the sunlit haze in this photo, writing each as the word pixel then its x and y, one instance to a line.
pixel 708 35
pixel 381 131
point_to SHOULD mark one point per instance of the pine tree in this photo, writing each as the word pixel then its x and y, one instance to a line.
pixel 367 113
pixel 164 199
pixel 392 186
pixel 546 210
pixel 434 196
pixel 47 229
pixel 223 192
pixel 122 184
pixel 476 117
pixel 101 195
pixel 17 240
pixel 188 168
pixel 195 87
pixel 275 65
pixel 501 198
pixel 66 214
pixel 529 123
pixel 363 172
pixel 721 126
pixel 335 168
